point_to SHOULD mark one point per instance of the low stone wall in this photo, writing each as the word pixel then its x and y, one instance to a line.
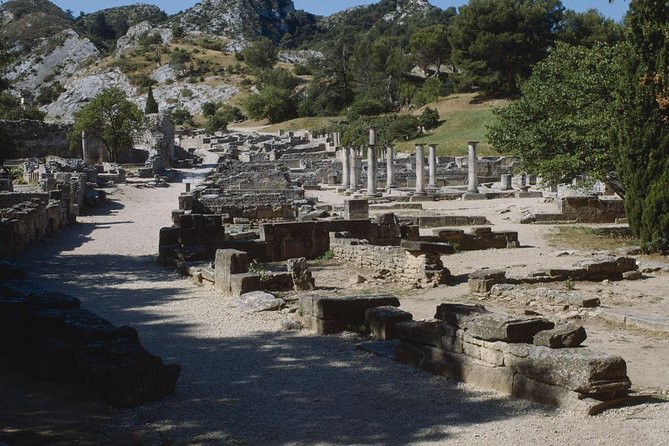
pixel 439 221
pixel 477 238
pixel 495 351
pixel 406 265
pixel 50 337
pixel 32 218
pixel 582 210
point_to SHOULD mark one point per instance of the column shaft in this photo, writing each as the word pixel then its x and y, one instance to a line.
pixel 420 170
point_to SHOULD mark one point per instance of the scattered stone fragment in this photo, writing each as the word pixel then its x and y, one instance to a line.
pixel 563 336
pixel 257 301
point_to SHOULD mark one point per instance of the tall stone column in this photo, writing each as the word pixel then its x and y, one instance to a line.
pixel 354 163
pixel 390 167
pixel 371 164
pixel 83 145
pixel 432 157
pixel 345 168
pixel 420 170
pixel 472 166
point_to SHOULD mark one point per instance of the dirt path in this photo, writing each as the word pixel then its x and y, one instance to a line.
pixel 243 382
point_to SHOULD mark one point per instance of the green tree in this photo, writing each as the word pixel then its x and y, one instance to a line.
pixel 588 28
pixel 178 60
pixel 560 125
pixel 261 54
pixel 111 119
pixel 641 124
pixel 433 88
pixel 272 103
pixel 496 42
pixel 277 77
pixel 429 119
pixel 181 116
pixel 430 45
pixel 218 122
pixel 209 108
pixel 151 104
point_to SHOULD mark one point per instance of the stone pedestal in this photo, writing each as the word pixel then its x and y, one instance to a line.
pixel 420 171
pixel 506 182
pixel 432 158
pixel 390 167
pixel 371 171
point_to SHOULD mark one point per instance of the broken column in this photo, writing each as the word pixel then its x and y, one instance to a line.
pixel 472 165
pixel 371 163
pixel 345 168
pixel 432 157
pixel 83 145
pixel 390 167
pixel 506 182
pixel 420 170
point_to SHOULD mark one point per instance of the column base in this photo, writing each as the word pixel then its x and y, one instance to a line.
pixel 473 196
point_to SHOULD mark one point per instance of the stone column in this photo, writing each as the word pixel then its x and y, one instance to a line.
pixel 83 145
pixel 371 164
pixel 420 170
pixel 390 167
pixel 472 166
pixel 432 157
pixel 506 182
pixel 354 162
pixel 345 168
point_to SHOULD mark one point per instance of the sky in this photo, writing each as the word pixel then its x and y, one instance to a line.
pixel 616 10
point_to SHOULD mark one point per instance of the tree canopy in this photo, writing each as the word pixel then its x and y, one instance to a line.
pixel 261 54
pixel 560 125
pixel 111 119
pixel 496 42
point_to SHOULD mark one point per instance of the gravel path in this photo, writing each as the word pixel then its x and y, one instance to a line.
pixel 243 382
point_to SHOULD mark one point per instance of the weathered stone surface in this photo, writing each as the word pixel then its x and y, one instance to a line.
pixel 257 301
pixel 227 263
pixel 567 335
pixel 500 327
pixel 424 332
pixel 356 209
pixel 299 270
pixel 580 370
pixel 243 283
pixel 612 268
pixel 458 314
pixel 434 247
pixel 350 308
pixel 382 321
pixel 326 326
pixel 482 281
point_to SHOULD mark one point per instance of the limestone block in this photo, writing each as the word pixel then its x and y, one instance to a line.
pixel 580 370
pixel 243 283
pixel 428 332
pixel 528 388
pixel 482 281
pixel 457 315
pixel 356 209
pixel 324 326
pixel 228 262
pixel 350 308
pixel 257 301
pixel 567 335
pixel 501 327
pixel 382 321
pixel 433 247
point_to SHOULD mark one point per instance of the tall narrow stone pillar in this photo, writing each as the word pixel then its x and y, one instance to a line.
pixel 354 162
pixel 420 170
pixel 432 158
pixel 345 168
pixel 83 145
pixel 390 167
pixel 371 164
pixel 505 182
pixel 472 166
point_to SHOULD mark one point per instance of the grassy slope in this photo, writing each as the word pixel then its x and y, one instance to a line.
pixel 462 121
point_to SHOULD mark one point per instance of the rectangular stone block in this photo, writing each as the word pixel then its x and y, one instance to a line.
pixel 501 327
pixel 323 326
pixel 424 332
pixel 356 209
pixel 457 314
pixel 350 308
pixel 243 283
pixel 382 321
pixel 580 370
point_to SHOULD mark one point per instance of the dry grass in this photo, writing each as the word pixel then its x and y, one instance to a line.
pixel 589 238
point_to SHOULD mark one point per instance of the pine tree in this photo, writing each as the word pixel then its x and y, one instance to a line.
pixel 642 134
pixel 151 104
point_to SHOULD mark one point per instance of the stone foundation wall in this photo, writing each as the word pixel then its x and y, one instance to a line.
pixel 592 209
pixel 405 265
pixel 495 351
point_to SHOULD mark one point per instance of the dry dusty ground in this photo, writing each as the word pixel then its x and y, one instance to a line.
pixel 245 383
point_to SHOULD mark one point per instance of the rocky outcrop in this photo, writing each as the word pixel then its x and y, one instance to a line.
pixel 131 39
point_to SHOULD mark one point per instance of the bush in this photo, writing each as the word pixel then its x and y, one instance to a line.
pixel 181 116
pixel 271 103
pixel 429 119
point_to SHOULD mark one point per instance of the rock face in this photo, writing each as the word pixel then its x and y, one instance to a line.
pixel 53 338
pixel 131 39
pixel 57 60
pixel 158 138
pixel 239 19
